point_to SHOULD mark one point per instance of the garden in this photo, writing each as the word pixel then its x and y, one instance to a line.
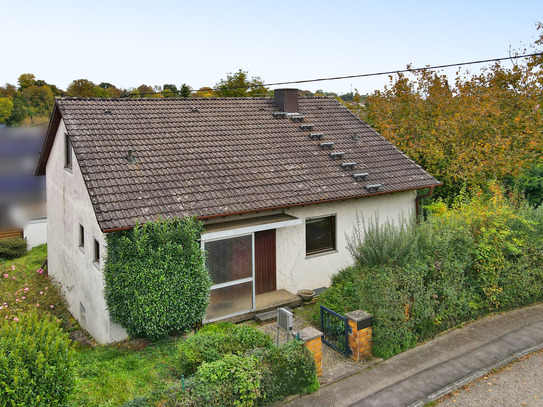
pixel 481 255
pixel 47 359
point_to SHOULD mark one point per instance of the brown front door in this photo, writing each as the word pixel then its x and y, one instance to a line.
pixel 265 261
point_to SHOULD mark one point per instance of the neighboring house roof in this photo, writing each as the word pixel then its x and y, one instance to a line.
pixel 217 156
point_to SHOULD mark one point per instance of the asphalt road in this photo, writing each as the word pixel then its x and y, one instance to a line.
pixel 518 384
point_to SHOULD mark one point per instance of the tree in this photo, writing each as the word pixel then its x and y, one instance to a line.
pixel 18 113
pixel 39 100
pixel 145 91
pixel 82 88
pixel 185 91
pixel 205 92
pixel 6 106
pixel 238 85
pixel 26 80
pixel 468 131
pixel 172 90
pixel 8 90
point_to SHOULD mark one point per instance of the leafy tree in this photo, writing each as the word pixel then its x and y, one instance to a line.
pixel 205 92
pixel 6 106
pixel 8 90
pixel 145 90
pixel 26 80
pixel 82 88
pixel 185 91
pixel 171 88
pixel 465 131
pixel 238 84
pixel 39 100
pixel 18 113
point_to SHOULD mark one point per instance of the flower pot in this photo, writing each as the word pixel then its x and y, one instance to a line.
pixel 306 295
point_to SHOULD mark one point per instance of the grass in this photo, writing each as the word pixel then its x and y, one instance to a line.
pixel 112 375
pixel 105 375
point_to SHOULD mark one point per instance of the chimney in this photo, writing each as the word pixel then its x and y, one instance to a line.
pixel 286 100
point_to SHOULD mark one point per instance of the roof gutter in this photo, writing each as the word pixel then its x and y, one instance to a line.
pixel 299 204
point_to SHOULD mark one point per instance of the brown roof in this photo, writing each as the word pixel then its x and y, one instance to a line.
pixel 208 157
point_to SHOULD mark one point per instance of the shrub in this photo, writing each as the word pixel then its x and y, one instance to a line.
pixel 36 367
pixel 215 340
pixel 481 255
pixel 289 369
pixel 231 381
pixel 155 278
pixel 12 247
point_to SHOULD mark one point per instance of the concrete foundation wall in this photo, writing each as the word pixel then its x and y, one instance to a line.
pixel 68 207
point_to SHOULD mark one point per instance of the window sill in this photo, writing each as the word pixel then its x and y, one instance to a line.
pixel 82 248
pixel 68 169
pixel 96 264
pixel 310 256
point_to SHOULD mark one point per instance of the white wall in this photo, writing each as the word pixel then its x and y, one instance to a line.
pixel 35 232
pixel 295 270
pixel 68 206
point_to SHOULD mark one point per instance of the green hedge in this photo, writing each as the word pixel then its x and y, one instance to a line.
pixel 36 361
pixel 12 247
pixel 481 256
pixel 237 365
pixel 286 370
pixel 155 279
pixel 215 340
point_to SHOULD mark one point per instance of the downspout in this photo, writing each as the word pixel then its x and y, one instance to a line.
pixel 420 198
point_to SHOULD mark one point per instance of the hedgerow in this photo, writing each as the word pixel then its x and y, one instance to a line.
pixel 36 361
pixel 12 247
pixel 155 279
pixel 482 255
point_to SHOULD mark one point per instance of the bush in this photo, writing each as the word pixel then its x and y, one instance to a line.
pixel 36 362
pixel 155 279
pixel 215 340
pixel 289 369
pixel 483 254
pixel 12 247
pixel 231 381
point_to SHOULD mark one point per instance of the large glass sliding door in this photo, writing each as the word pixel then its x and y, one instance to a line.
pixel 230 262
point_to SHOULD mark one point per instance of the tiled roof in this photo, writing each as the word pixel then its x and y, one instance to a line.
pixel 208 157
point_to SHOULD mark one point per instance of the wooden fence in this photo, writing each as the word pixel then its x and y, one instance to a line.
pixel 4 234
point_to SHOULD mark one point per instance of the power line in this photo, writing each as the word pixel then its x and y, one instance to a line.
pixel 366 75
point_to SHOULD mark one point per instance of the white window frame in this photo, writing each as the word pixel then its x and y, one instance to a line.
pixel 234 282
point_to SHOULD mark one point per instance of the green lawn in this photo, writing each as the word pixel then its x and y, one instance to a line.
pixel 105 375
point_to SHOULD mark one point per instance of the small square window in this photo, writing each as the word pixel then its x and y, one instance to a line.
pixel 67 151
pixel 81 237
pixel 320 235
pixel 96 257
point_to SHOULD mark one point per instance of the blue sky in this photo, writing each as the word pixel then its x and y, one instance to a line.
pixel 128 43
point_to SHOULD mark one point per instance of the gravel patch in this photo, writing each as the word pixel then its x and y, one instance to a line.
pixel 335 366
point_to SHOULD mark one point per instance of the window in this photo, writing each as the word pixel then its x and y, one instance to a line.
pixel 230 262
pixel 67 151
pixel 81 237
pixel 96 257
pixel 320 235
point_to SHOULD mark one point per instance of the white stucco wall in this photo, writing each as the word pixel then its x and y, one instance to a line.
pixel 68 206
pixel 296 271
pixel 35 232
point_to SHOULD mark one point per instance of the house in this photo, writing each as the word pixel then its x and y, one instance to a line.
pixel 277 181
pixel 22 195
